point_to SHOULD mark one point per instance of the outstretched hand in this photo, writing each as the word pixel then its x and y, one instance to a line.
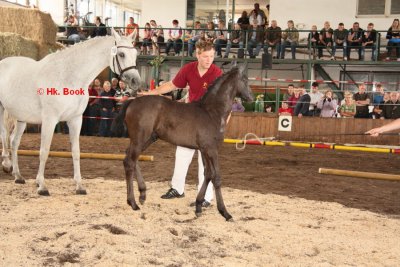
pixel 375 132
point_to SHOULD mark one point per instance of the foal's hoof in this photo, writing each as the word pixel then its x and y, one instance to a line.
pixel 43 192
pixel 228 218
pixel 198 214
pixel 19 181
pixel 142 200
pixel 133 205
pixel 81 191
pixel 7 169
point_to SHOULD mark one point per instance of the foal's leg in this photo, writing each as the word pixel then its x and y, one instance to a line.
pixel 141 184
pixel 130 166
pixel 207 178
pixel 48 126
pixel 15 140
pixel 5 154
pixel 74 126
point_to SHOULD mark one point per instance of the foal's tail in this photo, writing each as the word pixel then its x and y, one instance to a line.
pixel 117 126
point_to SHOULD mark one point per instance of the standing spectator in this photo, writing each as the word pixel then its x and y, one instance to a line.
pixel 96 108
pixel 393 35
pixel 303 104
pixel 369 40
pixel 289 93
pixel 237 105
pixel 340 40
pixel 114 85
pixel 294 98
pixel 325 39
pixel 391 109
pixel 107 107
pixel 258 14
pixel 222 37
pixel 87 123
pixel 362 101
pixel 315 96
pixel 378 99
pixel 196 35
pixel 235 40
pixel 146 43
pixel 354 39
pixel 210 35
pixel 273 38
pixel 348 108
pixel 255 39
pixel 174 38
pixel 72 29
pixel 121 95
pixel 157 36
pixel 313 39
pixel 244 21
pixel 327 105
pixel 285 109
pixel 291 38
pixel 130 28
pixel 100 29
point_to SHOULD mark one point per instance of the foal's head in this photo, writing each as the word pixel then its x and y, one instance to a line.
pixel 123 59
pixel 242 82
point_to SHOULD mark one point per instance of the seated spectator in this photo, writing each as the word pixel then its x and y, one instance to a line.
pixel 325 39
pixel 348 108
pixel 391 109
pixel 294 98
pixel 327 105
pixel 235 40
pixel 222 37
pixel 393 35
pixel 174 38
pixel 362 101
pixel 354 39
pixel 285 109
pixel 289 93
pixel 315 96
pixel 255 39
pixel 313 39
pixel 244 21
pixel 340 40
pixel 100 29
pixel 273 38
pixel 210 35
pixel 130 28
pixel 157 37
pixel 237 105
pixel 368 41
pixel 195 35
pixel 302 107
pixel 146 43
pixel 290 38
pixel 106 112
pixel 72 29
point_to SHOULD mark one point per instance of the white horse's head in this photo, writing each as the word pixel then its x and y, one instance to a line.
pixel 123 59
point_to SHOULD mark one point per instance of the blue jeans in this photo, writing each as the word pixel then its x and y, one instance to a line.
pixel 191 44
pixel 392 45
pixel 177 45
pixel 251 44
pixel 74 37
pixel 342 45
pixel 229 46
pixel 105 125
pixel 277 48
pixel 356 46
pixel 292 46
pixel 373 47
pixel 218 46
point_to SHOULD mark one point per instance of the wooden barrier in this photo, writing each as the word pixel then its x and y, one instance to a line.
pixel 367 175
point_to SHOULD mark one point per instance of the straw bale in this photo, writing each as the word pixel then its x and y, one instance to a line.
pixel 12 44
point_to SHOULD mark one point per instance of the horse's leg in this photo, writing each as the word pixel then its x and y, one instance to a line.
pixel 207 178
pixel 15 140
pixel 74 126
pixel 130 166
pixel 47 132
pixel 5 154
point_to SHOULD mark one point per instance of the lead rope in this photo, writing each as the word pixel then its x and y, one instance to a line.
pixel 255 137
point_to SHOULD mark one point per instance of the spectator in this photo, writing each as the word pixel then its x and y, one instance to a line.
pixel 340 40
pixel 244 21
pixel 237 105
pixel 72 29
pixel 315 96
pixel 100 29
pixel 157 36
pixel 130 28
pixel 273 38
pixel 369 40
pixel 195 35
pixel 258 14
pixel 210 34
pixel 289 93
pixel 294 98
pixel 362 100
pixel 291 38
pixel 327 105
pixel 114 85
pixel 222 37
pixel 107 107
pixel 269 109
pixel 354 40
pixel 325 39
pixel 235 40
pixel 313 39
pixel 378 99
pixel 121 95
pixel 303 104
pixel 146 43
pixel 393 35
pixel 87 123
pixel 255 39
pixel 391 109
pixel 174 38
pixel 348 108
pixel 285 109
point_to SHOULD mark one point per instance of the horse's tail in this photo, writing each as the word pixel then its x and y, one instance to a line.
pixel 9 125
pixel 117 126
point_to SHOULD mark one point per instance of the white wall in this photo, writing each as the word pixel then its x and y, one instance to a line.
pixel 55 8
pixel 163 12
pixel 316 12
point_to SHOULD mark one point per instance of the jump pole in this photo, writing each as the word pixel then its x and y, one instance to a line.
pixel 63 154
pixel 357 174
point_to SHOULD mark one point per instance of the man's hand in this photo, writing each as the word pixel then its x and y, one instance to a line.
pixel 375 132
pixel 300 115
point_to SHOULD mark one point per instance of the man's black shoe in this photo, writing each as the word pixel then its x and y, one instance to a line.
pixel 172 193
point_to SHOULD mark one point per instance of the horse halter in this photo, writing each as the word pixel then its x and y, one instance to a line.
pixel 115 59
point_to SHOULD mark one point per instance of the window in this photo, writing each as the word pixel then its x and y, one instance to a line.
pixel 390 80
pixel 378 7
pixel 395 8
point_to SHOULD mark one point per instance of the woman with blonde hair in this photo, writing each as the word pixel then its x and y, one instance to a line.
pixel 348 108
pixel 393 35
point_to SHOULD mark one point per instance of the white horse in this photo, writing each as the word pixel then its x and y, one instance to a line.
pixel 33 92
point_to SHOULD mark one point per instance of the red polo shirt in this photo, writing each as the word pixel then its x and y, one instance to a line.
pixel 189 75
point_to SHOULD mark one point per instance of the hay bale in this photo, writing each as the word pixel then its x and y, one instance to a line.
pixel 12 44
pixel 30 23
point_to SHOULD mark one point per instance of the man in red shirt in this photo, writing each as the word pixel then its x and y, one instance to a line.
pixel 199 75
pixel 130 28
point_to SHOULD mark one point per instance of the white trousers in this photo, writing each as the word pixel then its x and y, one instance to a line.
pixel 183 158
